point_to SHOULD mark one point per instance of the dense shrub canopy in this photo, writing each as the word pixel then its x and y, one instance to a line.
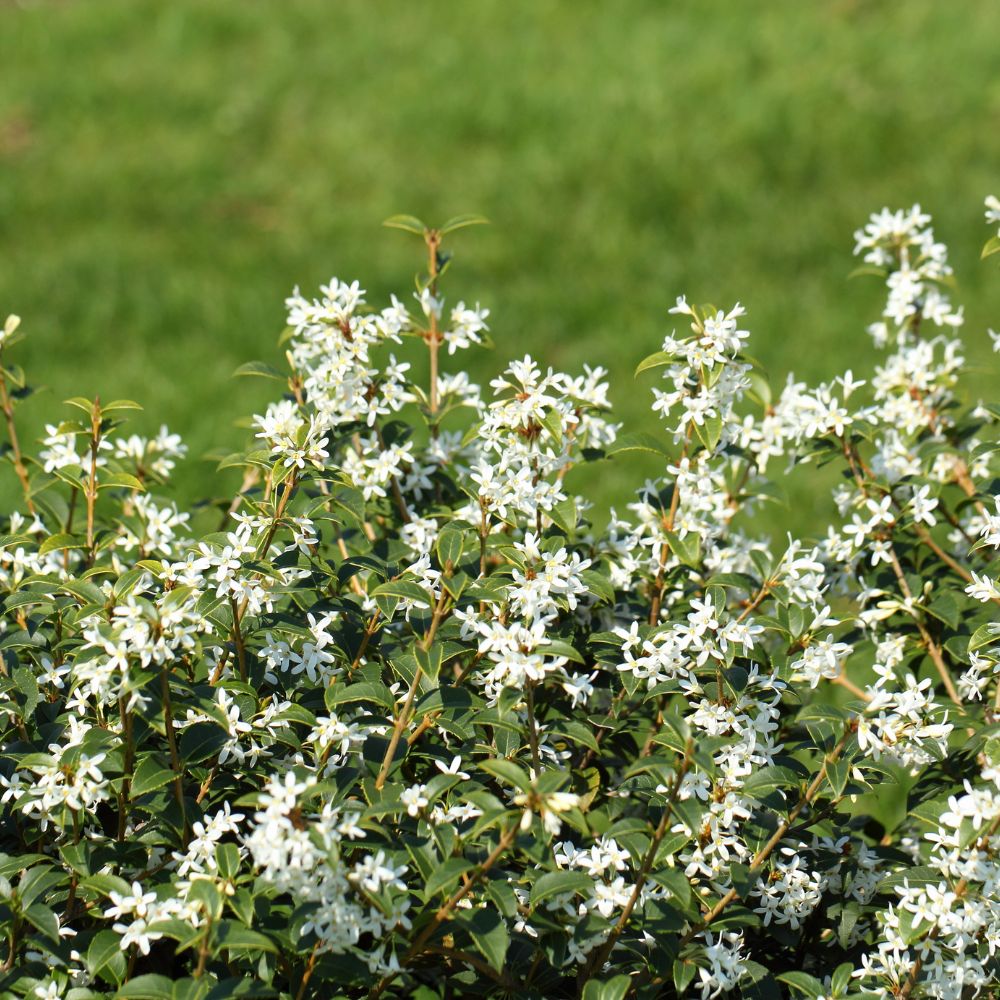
pixel 407 724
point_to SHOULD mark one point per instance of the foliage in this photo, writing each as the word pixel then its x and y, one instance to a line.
pixel 406 724
pixel 169 171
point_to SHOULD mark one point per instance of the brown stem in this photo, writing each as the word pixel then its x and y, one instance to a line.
pixel 203 947
pixel 11 947
pixel 932 649
pixel 668 525
pixel 929 644
pixel 241 653
pixel 963 884
pixel 251 477
pixel 765 589
pixel 397 493
pixel 15 447
pixel 964 480
pixel 475 961
pixel 404 713
pixel 536 761
pixel 342 547
pixel 765 852
pixel 603 728
pixel 370 630
pixel 307 973
pixel 428 720
pixel 68 528
pixel 596 963
pixel 279 512
pixel 445 911
pixel 240 611
pixel 925 536
pixel 433 240
pixel 126 717
pixel 175 758
pixel 484 531
pixel 206 785
pixel 845 682
pixel 91 485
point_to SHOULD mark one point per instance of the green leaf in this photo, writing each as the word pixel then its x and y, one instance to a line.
pixel 26 599
pixel 841 978
pixel 558 647
pixel 686 549
pixel 675 882
pixel 683 974
pixel 120 404
pixel 148 987
pixel 743 881
pixel 870 270
pixel 235 460
pixel 991 247
pixel 576 731
pixel 110 480
pixel 985 635
pixel 612 989
pixel 77 856
pixel 201 741
pixel 373 691
pixel 104 946
pixel 204 891
pixel 460 222
pixel 12 864
pixel 57 542
pixel 260 369
pixel 25 682
pixel 709 432
pixel 837 773
pixel 149 776
pixel 227 859
pixel 430 660
pixel 445 877
pixel 408 223
pixel 804 983
pixel 507 770
pixel 9 541
pixel 912 875
pixel 564 515
pixel 350 499
pixel 36 882
pixel 552 422
pixel 404 590
pixel 656 360
pixel 456 584
pixel 767 779
pixel 84 591
pixel 450 545
pixel 599 585
pixel 232 936
pixel 41 917
pixel 559 883
pixel 106 884
pixel 242 904
pixel 639 441
pixel 490 934
pixel 760 388
pixel 945 608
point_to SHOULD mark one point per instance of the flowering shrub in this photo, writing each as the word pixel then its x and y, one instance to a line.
pixel 407 725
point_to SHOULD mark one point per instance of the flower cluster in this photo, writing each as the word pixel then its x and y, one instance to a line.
pixel 401 719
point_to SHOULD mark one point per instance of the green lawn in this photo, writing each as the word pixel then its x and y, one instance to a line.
pixel 168 171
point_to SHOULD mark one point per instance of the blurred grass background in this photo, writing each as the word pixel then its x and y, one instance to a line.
pixel 169 171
